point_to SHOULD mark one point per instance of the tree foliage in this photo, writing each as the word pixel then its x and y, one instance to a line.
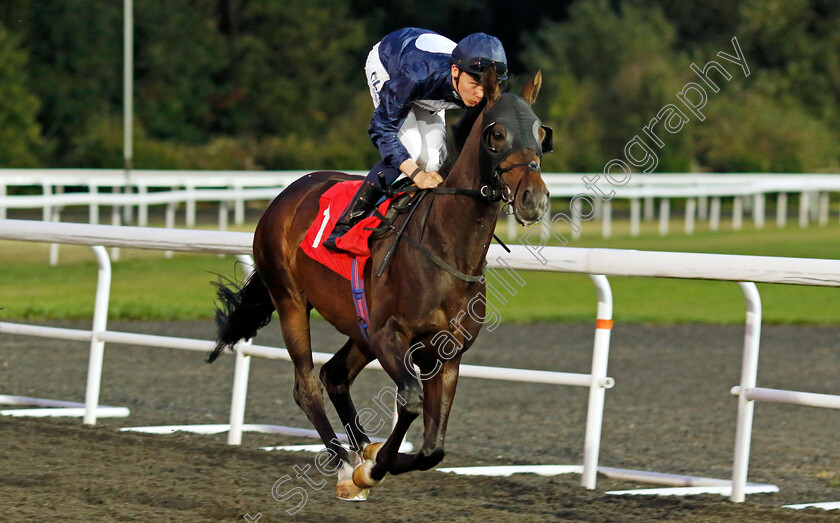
pixel 21 144
pixel 608 73
pixel 265 84
pixel 611 68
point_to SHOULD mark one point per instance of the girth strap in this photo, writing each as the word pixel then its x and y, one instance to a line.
pixel 357 285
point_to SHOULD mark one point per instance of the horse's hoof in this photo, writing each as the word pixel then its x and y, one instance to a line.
pixel 361 476
pixel 348 491
pixel 372 450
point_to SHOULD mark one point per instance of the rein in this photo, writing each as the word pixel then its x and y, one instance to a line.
pixel 500 192
pixel 399 232
pixel 437 260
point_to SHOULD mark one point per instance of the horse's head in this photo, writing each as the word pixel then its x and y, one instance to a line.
pixel 513 141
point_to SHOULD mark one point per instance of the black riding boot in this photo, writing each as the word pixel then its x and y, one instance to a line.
pixel 359 207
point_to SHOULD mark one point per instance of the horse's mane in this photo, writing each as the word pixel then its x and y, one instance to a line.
pixel 456 139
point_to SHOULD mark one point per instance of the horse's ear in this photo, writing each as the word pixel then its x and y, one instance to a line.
pixel 530 92
pixel 490 84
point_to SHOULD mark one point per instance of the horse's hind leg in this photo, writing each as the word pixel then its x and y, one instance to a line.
pixel 294 324
pixel 337 375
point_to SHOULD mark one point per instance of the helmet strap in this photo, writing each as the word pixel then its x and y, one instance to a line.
pixel 455 80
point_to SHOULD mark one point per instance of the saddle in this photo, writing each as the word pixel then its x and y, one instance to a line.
pixel 404 197
pixel 399 200
pixel 351 264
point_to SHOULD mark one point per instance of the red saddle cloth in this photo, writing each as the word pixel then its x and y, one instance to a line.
pixel 355 241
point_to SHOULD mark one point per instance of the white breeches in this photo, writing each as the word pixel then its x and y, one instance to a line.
pixel 423 133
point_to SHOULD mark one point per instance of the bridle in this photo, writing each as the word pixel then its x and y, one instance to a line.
pixel 494 190
pixel 501 191
pixel 522 133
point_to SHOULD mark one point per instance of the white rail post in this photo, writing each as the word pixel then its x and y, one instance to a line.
pixel 511 227
pixel 115 220
pixel 240 377
pixel 170 223
pixel 239 205
pixel 690 211
pixel 56 217
pixel 190 205
pixel 746 406
pixel 714 214
pixel 46 212
pixel 781 210
pixel 664 215
pixel 142 206
pixel 598 381
pixel 737 213
pixel 804 209
pixel 824 206
pixel 635 216
pixel 606 219
pixel 546 221
pixel 47 215
pixel 97 347
pixel 239 395
pixel 2 206
pixel 702 207
pixel 93 206
pixel 576 229
pixel 758 210
pixel 223 215
pixel 649 210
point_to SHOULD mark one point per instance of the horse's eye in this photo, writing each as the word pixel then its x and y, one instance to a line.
pixel 498 135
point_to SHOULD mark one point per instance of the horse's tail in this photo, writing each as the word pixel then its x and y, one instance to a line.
pixel 240 313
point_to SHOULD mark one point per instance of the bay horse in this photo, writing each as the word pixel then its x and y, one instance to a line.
pixel 413 300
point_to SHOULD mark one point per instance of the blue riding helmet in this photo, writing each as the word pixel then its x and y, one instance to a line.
pixel 477 52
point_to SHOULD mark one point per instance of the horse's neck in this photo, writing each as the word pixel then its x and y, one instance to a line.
pixel 462 225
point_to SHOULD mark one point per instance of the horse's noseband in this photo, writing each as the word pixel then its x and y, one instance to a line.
pixel 508 195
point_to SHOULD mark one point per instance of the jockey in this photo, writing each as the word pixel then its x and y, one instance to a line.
pixel 414 75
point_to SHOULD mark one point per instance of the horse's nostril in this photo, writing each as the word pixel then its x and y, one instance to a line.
pixel 527 197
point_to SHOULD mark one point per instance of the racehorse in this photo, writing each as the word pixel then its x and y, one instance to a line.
pixel 424 290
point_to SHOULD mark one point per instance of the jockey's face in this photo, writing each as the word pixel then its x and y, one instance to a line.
pixel 468 88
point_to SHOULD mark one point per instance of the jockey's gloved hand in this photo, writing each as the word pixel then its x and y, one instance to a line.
pixel 428 180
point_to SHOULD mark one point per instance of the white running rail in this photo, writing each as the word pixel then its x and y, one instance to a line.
pixel 533 256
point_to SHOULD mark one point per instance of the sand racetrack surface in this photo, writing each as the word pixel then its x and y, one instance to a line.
pixel 670 411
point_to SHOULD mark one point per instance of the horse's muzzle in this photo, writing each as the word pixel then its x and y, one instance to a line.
pixel 532 205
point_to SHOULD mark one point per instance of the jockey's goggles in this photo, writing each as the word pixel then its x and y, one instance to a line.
pixel 478 65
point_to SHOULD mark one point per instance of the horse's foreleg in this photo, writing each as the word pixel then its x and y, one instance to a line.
pixel 391 348
pixel 439 394
pixel 337 375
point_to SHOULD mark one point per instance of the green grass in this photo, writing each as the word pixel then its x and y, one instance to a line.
pixel 559 297
pixel 145 285
pixel 567 297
